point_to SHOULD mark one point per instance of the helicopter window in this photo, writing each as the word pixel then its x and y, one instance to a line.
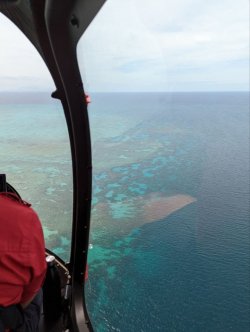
pixel 169 242
pixel 34 143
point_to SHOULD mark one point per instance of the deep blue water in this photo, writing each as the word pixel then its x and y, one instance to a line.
pixel 188 270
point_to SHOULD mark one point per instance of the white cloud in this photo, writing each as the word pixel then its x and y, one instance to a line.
pixel 21 66
pixel 166 40
pixel 149 45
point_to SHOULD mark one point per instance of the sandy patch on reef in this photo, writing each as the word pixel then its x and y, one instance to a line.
pixel 123 217
pixel 160 207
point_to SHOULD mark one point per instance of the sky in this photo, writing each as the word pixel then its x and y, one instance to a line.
pixel 145 45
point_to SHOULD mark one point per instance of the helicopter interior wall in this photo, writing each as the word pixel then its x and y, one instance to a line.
pixel 56 319
pixel 57 310
pixel 56 326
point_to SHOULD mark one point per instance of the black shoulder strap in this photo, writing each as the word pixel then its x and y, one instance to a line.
pixel 15 197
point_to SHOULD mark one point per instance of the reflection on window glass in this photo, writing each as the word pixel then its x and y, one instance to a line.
pixel 35 156
pixel 34 144
pixel 169 244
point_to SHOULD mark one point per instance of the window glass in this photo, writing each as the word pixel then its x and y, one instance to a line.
pixel 34 144
pixel 169 115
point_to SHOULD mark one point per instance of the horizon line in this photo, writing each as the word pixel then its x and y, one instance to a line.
pixel 103 92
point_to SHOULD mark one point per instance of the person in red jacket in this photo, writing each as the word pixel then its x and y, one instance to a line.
pixel 22 264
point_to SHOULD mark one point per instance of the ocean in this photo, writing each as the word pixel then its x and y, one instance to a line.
pixel 169 242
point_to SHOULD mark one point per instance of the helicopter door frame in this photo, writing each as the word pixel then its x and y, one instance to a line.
pixel 54 28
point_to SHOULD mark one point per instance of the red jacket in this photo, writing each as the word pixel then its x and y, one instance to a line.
pixel 22 252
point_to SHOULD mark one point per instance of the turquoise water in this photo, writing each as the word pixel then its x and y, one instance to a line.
pixel 170 218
